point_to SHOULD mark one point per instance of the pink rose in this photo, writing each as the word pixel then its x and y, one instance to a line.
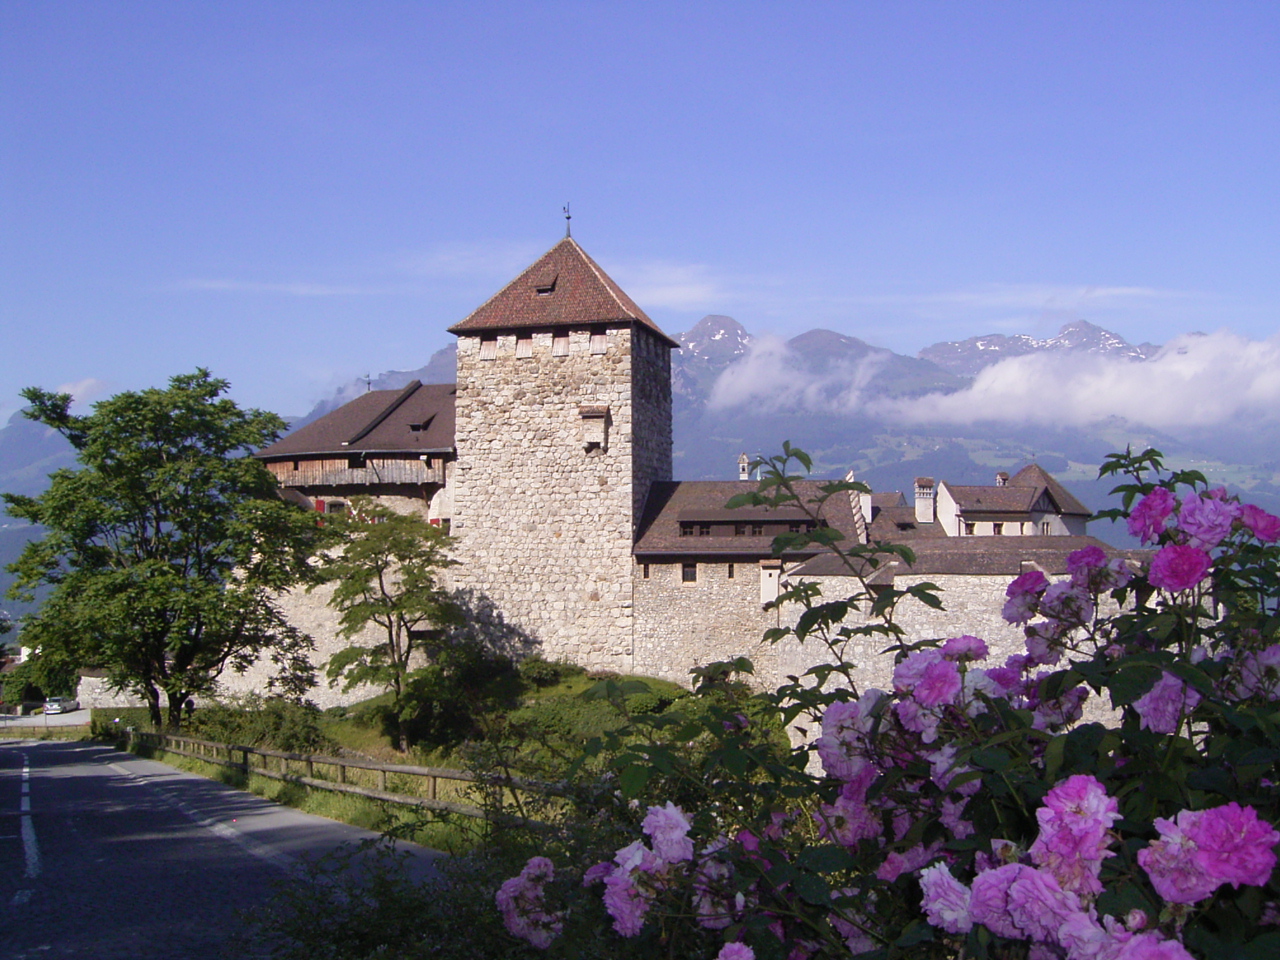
pixel 1163 706
pixel 1178 567
pixel 1263 525
pixel 1206 520
pixel 1148 517
pixel 946 899
pixel 1233 846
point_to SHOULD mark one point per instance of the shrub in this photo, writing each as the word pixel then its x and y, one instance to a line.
pixel 966 812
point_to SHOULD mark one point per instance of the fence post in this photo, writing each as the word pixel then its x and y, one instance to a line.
pixel 382 780
pixel 342 773
pixel 311 768
pixel 431 788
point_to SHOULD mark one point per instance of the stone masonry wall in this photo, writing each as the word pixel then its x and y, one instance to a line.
pixel 544 524
pixel 971 605
pixel 651 406
pixel 680 625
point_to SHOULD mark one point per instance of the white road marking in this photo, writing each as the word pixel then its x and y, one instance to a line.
pixel 30 848
pixel 277 859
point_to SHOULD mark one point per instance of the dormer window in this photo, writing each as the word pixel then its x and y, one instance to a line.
pixel 546 286
pixel 686 529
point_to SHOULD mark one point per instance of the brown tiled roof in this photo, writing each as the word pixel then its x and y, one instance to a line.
pixel 671 502
pixel 417 419
pixel 975 556
pixel 1017 496
pixel 564 287
pixel 893 519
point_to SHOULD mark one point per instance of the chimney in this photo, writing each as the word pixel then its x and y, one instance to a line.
pixel 744 467
pixel 1002 479
pixel 924 500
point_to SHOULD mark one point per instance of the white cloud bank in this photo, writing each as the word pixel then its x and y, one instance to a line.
pixel 1196 381
pixel 772 377
pixel 86 390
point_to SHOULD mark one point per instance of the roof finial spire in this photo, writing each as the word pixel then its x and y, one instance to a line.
pixel 567 218
pixel 367 380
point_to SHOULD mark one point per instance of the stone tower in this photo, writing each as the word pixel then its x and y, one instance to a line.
pixel 563 423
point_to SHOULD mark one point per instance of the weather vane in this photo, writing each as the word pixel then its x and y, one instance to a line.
pixel 367 380
pixel 567 218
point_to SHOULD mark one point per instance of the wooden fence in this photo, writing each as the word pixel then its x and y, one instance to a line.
pixel 429 785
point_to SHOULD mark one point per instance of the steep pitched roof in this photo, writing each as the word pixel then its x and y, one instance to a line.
pixel 1033 475
pixel 416 419
pixel 563 287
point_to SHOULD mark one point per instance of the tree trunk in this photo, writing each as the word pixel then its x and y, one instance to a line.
pixel 152 696
pixel 176 701
pixel 404 734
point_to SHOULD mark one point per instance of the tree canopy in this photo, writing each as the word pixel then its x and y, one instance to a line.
pixel 386 575
pixel 165 549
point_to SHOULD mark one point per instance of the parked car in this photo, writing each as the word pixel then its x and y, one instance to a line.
pixel 61 705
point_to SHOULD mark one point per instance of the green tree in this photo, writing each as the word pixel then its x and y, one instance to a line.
pixel 385 573
pixel 165 550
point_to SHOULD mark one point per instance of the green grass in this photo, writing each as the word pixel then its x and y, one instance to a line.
pixel 447 832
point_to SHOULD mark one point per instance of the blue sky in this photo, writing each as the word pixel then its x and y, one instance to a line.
pixel 295 194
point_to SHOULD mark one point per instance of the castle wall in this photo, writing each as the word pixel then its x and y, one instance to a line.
pixel 545 485
pixel 680 625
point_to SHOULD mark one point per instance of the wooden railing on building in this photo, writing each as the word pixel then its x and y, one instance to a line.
pixel 310 769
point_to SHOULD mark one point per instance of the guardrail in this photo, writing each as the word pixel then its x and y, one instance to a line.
pixel 304 769
pixel 385 774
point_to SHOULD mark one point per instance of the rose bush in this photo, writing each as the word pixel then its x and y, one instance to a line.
pixel 969 811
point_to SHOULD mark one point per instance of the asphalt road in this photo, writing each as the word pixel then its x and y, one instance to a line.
pixel 107 856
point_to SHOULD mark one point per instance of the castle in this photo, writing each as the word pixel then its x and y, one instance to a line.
pixel 550 462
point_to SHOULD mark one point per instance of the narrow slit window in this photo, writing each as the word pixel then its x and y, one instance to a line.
pixel 645 571
pixel 689 572
pixel 730 571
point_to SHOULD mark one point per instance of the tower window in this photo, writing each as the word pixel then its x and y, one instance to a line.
pixel 1046 528
pixel 599 340
pixel 489 348
pixel 704 529
pixel 560 344
pixel 689 572
pixel 524 346
pixel 968 529
pixel 730 571
pixel 686 529
pixel 645 571
pixel 997 529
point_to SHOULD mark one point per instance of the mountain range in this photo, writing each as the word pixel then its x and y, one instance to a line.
pixel 825 392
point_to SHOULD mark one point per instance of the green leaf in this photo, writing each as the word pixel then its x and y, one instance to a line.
pixel 632 780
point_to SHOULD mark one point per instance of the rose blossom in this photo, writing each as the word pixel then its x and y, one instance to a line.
pixel 964 648
pixel 668 829
pixel 1024 596
pixel 1233 846
pixel 939 684
pixel 1259 672
pixel 736 951
pixel 1147 519
pixel 1206 520
pixel 1163 706
pixel 1178 567
pixel 946 899
pixel 1074 833
pixel 519 901
pixel 1263 525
